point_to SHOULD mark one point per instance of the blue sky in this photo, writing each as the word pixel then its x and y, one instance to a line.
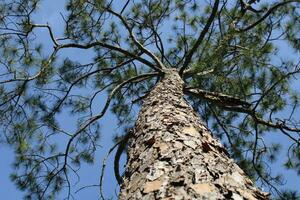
pixel 49 13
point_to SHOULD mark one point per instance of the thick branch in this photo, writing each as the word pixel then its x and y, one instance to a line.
pixel 191 72
pixel 217 98
pixel 191 52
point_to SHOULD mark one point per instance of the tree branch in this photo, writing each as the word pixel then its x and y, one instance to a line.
pixel 85 76
pixel 190 72
pixel 114 48
pixel 191 52
pixel 269 12
pixel 236 105
pixel 103 168
pixel 139 45
pixel 280 125
pixel 49 29
pixel 122 144
pixel 217 98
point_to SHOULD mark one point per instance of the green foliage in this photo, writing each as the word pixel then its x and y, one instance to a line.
pixel 240 56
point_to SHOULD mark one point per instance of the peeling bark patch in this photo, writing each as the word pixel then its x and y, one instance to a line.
pixel 235 179
pixel 152 186
pixel 191 131
pixel 238 178
pixel 247 195
pixel 191 144
pixel 177 145
pixel 236 197
pixel 203 188
pixel 163 147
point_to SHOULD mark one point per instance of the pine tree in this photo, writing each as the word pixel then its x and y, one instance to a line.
pixel 211 79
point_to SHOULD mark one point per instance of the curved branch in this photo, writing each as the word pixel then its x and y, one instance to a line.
pixel 191 52
pixel 268 13
pixel 121 148
pixel 103 169
pixel 49 30
pixel 139 45
pixel 111 47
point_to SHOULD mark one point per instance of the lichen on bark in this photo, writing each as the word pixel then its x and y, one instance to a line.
pixel 173 155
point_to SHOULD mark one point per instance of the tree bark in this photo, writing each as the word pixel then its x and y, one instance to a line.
pixel 172 155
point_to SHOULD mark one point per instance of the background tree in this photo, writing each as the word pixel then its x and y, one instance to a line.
pixel 227 52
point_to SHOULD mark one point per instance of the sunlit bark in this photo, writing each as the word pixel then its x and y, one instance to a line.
pixel 172 155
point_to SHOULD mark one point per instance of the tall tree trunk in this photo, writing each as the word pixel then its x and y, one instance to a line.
pixel 172 155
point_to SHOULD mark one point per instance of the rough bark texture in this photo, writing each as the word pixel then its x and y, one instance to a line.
pixel 172 155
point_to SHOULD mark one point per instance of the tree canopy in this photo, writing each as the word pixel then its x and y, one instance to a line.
pixel 239 60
